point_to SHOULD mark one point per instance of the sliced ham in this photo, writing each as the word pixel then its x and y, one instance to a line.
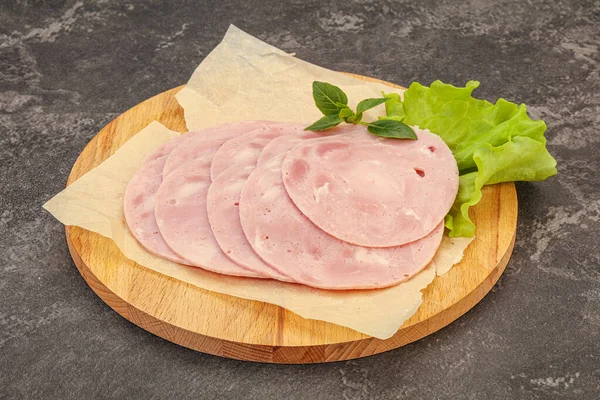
pixel 244 150
pixel 345 211
pixel 183 221
pixel 287 240
pixel 205 143
pixel 284 144
pixel 139 201
pixel 281 145
pixel 241 154
pixel 371 191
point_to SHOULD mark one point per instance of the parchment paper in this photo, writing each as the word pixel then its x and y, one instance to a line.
pixel 218 93
pixel 450 253
pixel 244 78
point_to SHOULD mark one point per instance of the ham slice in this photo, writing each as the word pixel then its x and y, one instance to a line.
pixel 140 195
pixel 371 191
pixel 241 154
pixel 244 150
pixel 183 221
pixel 139 201
pixel 205 143
pixel 288 241
pixel 283 144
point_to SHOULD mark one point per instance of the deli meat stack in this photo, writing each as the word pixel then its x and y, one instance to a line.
pixel 337 210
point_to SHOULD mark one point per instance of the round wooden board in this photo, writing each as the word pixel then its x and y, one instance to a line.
pixel 249 330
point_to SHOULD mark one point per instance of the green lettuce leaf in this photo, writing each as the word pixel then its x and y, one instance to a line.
pixel 491 143
pixel 393 107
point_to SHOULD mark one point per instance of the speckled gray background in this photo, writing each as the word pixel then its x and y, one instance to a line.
pixel 67 68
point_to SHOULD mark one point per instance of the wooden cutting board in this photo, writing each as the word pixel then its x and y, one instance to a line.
pixel 249 330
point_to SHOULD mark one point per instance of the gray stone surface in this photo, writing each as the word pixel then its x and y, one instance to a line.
pixel 67 68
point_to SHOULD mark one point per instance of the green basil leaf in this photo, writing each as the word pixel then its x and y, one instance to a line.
pixel 328 98
pixel 367 104
pixel 392 118
pixel 328 121
pixel 389 128
pixel 345 113
pixel 355 119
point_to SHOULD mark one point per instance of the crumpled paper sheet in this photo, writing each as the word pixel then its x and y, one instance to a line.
pixel 450 253
pixel 244 78
pixel 95 200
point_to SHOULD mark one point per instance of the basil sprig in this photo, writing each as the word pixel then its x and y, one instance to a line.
pixel 333 103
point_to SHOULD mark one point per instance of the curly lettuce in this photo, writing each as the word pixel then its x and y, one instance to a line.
pixel 491 143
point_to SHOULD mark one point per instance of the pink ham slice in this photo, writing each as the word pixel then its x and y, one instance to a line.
pixel 206 142
pixel 283 237
pixel 284 144
pixel 141 191
pixel 371 191
pixel 183 222
pixel 241 154
pixel 244 150
pixel 139 201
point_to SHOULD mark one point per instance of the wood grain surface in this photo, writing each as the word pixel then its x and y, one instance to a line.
pixel 249 330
